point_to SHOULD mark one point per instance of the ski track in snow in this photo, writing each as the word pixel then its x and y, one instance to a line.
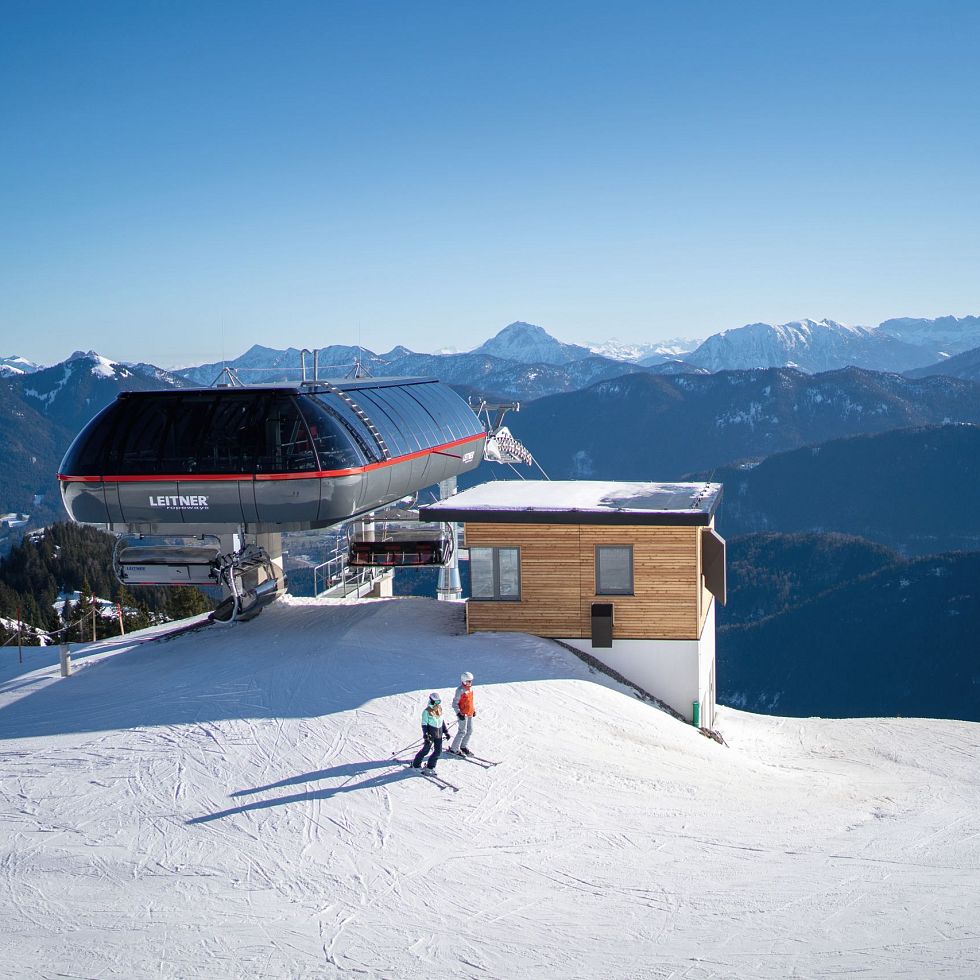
pixel 227 804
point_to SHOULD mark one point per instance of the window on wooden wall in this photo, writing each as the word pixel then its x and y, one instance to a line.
pixel 614 569
pixel 495 573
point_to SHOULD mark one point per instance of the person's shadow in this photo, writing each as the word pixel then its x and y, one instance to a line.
pixel 393 770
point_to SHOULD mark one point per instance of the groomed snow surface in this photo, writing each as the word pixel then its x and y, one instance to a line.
pixel 225 804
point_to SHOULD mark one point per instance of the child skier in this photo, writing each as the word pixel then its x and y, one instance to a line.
pixel 465 712
pixel 433 730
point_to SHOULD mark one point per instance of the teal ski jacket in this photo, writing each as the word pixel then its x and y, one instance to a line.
pixel 433 726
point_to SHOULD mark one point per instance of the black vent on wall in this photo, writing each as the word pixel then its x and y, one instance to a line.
pixel 713 566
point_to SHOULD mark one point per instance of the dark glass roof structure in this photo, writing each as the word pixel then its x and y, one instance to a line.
pixel 317 430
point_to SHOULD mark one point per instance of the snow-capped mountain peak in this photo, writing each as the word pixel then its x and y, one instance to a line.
pixel 16 365
pixel 810 345
pixel 947 335
pixel 531 344
pixel 100 366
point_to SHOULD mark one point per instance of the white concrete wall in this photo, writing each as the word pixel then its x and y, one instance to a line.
pixel 675 671
pixel 667 669
pixel 706 670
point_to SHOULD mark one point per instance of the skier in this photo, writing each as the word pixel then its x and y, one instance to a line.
pixel 465 712
pixel 433 730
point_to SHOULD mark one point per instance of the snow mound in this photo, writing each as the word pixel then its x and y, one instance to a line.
pixel 225 803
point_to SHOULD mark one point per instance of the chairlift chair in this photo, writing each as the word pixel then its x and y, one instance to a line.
pixel 400 545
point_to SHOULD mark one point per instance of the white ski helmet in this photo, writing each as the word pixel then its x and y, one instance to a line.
pixel 466 677
pixel 434 698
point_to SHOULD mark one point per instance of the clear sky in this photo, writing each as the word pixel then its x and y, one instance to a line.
pixel 180 180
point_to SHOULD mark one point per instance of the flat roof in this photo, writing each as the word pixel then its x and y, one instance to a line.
pixel 579 502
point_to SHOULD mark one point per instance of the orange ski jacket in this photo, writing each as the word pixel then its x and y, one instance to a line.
pixel 463 701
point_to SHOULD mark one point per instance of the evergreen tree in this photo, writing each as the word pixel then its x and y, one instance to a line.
pixel 68 557
pixel 186 602
pixel 67 613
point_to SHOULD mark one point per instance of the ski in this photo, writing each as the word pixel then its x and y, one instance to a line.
pixel 475 759
pixel 438 780
pixel 489 763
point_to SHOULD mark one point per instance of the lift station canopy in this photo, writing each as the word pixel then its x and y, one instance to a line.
pixel 266 457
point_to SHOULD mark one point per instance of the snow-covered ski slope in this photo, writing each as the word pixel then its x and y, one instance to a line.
pixel 224 804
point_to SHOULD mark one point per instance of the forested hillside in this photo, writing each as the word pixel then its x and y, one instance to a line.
pixel 914 490
pixel 901 641
pixel 770 573
pixel 66 558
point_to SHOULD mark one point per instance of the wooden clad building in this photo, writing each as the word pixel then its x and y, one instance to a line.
pixel 627 572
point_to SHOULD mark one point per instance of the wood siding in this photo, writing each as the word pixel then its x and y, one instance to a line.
pixel 558 581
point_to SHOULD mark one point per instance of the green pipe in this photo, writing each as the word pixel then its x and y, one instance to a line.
pixel 696 712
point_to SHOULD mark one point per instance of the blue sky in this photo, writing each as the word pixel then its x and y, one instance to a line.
pixel 179 181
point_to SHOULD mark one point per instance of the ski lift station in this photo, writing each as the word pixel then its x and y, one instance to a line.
pixel 199 485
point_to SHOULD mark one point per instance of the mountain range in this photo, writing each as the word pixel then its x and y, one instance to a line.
pixel 903 345
pixel 809 345
pixel 520 362
pixel 826 345
pixel 947 335
pixel 644 427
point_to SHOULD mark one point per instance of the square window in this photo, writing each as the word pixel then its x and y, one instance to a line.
pixel 614 569
pixel 495 574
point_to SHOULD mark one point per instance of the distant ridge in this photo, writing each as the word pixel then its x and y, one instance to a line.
pixel 521 362
pixel 810 345
pixel 645 426
pixel 826 345
pixel 916 490
pixel 965 366
pixel 948 335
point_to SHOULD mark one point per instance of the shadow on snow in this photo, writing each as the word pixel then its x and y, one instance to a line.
pixel 399 771
pixel 294 661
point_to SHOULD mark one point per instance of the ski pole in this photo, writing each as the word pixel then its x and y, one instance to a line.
pixel 418 741
pixel 407 747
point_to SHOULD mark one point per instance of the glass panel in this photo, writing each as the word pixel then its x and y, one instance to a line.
pixel 481 573
pixel 234 434
pixel 352 422
pixel 509 563
pixel 286 445
pixel 614 570
pixel 334 445
pixel 386 425
pixel 136 448
pixel 87 454
pixel 468 420
pixel 424 425
pixel 188 419
pixel 445 408
pixel 439 427
pixel 407 421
